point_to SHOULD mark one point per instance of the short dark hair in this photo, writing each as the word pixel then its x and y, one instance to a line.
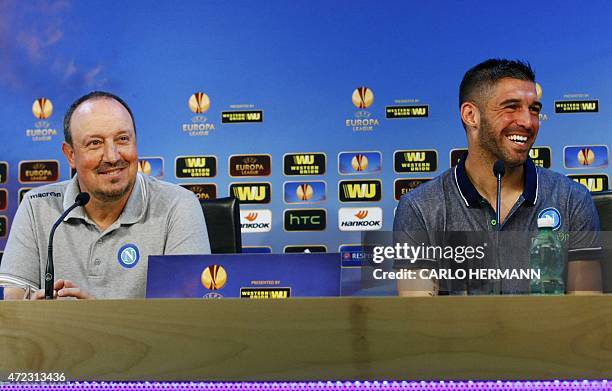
pixel 480 79
pixel 91 96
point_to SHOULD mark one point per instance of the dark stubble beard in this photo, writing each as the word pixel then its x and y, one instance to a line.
pixel 115 195
pixel 489 143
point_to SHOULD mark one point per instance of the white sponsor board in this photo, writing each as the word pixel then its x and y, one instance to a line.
pixel 360 219
pixel 255 221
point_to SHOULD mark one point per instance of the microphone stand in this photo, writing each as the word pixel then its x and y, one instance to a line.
pixel 81 200
pixel 498 170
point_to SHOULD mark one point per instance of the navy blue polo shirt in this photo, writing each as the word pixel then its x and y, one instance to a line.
pixel 451 203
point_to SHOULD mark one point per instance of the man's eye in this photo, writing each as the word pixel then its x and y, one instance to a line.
pixel 94 143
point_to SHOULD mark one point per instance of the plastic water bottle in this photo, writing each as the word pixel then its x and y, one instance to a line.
pixel 546 254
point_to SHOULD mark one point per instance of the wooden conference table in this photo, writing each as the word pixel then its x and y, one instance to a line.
pixel 441 338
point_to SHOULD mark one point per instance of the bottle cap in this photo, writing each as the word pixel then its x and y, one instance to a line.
pixel 546 222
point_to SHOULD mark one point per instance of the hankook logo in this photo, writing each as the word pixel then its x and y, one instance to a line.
pixel 363 97
pixel 214 277
pixel 360 190
pixel 199 103
pixel 305 220
pixel 42 108
pixel 252 193
pixel 255 221
pixel 360 219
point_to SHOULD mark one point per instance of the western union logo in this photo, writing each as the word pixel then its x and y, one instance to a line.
pixel 414 156
pixel 593 182
pixel 251 193
pixel 360 191
pixel 196 167
pixel 265 293
pixel 192 162
pixel 416 161
pixel 232 117
pixel 303 159
pixel 576 106
pixel 541 156
pixel 398 112
pixel 304 164
pixel 364 190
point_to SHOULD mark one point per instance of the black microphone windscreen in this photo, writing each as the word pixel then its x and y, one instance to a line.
pixel 498 168
pixel 82 199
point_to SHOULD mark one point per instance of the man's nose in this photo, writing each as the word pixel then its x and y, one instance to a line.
pixel 526 119
pixel 111 154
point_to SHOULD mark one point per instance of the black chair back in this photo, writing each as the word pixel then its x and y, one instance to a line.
pixel 223 223
pixel 603 202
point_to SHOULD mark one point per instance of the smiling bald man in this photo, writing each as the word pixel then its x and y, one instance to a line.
pixel 101 249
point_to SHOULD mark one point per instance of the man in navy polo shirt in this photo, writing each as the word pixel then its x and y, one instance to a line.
pixel 500 113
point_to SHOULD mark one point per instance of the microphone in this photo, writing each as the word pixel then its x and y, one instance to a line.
pixel 81 200
pixel 498 170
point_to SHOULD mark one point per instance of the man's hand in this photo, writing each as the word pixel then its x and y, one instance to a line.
pixel 63 289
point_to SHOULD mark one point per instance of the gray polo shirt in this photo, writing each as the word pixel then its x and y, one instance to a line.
pixel 159 218
pixel 451 203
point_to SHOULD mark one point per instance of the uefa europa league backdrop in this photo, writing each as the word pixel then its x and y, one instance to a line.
pixel 317 114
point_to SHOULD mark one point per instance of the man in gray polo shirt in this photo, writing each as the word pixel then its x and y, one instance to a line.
pixel 101 249
pixel 500 113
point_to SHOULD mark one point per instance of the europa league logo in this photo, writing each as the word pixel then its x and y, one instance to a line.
pixel 359 162
pixel 199 103
pixel 363 97
pixel 538 90
pixel 42 108
pixel 214 277
pixel 304 192
pixel 586 156
pixel 144 166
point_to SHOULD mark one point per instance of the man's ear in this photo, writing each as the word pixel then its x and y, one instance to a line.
pixel 470 115
pixel 69 153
